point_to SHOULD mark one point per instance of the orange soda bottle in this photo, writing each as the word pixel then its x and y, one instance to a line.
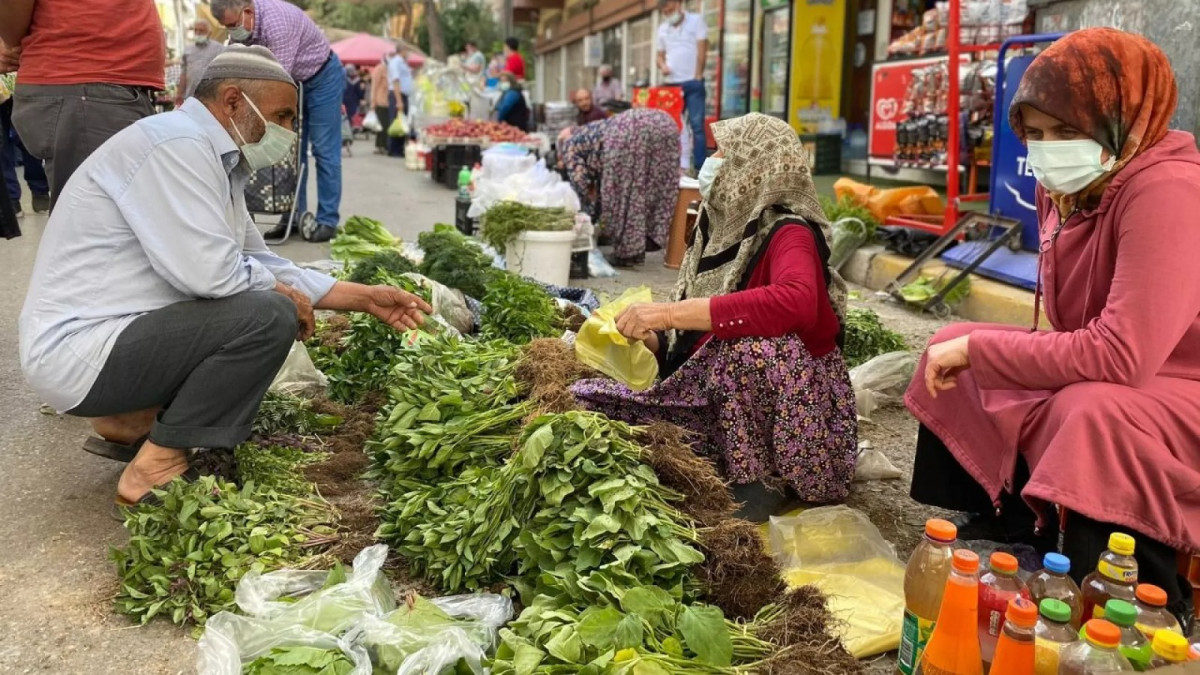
pixel 1015 649
pixel 953 648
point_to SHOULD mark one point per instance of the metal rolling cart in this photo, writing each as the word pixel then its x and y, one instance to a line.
pixel 1001 243
pixel 275 190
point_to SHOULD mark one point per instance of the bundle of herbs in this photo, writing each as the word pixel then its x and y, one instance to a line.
pixel 382 267
pixel 867 337
pixel 507 219
pixel 300 660
pixel 281 413
pixel 925 288
pixel 186 553
pixel 359 238
pixel 456 261
pixel 519 311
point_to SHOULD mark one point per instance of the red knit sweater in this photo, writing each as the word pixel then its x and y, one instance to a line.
pixel 786 294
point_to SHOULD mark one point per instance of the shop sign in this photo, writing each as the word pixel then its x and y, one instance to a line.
pixel 667 99
pixel 889 86
pixel 818 44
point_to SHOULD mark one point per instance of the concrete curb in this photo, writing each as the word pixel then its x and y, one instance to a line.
pixel 989 301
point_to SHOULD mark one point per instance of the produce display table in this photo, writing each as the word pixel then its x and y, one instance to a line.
pixel 681 226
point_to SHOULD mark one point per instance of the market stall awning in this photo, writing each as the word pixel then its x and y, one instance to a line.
pixel 363 49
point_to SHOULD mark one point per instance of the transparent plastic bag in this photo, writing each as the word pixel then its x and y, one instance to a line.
pixel 330 610
pixel 448 303
pixel 298 375
pixel 872 464
pixel 231 641
pixel 601 346
pixel 599 267
pixel 435 636
pixel 838 550
pixel 881 380
pixel 848 235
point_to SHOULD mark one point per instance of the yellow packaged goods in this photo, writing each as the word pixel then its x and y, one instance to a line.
pixel 601 346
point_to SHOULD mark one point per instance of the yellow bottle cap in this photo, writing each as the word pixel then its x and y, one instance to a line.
pixel 1121 544
pixel 1171 646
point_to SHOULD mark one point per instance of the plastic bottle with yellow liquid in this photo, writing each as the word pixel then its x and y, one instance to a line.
pixel 1116 576
pixel 924 584
pixel 1169 649
pixel 1053 632
pixel 1152 611
pixel 953 648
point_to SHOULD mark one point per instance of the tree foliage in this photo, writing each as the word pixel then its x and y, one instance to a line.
pixel 367 17
pixel 462 20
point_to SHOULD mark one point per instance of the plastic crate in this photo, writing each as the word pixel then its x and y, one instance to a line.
pixel 824 152
pixel 450 158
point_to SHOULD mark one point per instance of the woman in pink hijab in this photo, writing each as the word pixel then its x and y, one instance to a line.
pixel 1095 424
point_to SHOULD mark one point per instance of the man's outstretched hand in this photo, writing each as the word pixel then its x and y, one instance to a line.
pixel 399 309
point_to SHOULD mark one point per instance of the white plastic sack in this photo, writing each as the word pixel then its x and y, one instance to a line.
pixel 599 267
pixel 231 641
pixel 298 376
pixel 329 610
pixel 872 464
pixel 881 380
pixel 371 122
pixel 499 162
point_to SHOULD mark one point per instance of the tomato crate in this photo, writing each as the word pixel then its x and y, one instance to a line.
pixel 450 158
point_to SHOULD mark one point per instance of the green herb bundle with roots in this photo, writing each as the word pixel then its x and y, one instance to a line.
pixel 507 219
pixel 867 337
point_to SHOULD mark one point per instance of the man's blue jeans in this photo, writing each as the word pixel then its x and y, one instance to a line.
pixel 323 129
pixel 693 107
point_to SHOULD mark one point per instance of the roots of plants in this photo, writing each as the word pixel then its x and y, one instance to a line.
pixel 706 497
pixel 803 630
pixel 738 574
pixel 546 370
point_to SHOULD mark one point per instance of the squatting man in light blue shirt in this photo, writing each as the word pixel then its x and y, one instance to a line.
pixel 155 308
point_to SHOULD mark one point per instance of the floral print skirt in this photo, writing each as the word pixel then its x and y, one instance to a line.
pixel 763 407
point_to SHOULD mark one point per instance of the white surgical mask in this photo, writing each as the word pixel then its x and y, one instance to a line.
pixel 274 147
pixel 676 18
pixel 240 33
pixel 708 173
pixel 201 40
pixel 505 86
pixel 1067 167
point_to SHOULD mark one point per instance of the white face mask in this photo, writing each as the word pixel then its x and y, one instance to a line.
pixel 240 33
pixel 708 173
pixel 676 18
pixel 274 147
pixel 1067 167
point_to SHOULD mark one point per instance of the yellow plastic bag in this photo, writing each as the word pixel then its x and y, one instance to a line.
pixel 601 346
pixel 838 550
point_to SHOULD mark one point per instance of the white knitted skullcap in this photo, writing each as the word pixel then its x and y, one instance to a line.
pixel 247 62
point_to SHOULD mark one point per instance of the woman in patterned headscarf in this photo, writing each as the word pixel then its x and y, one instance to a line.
pixel 750 340
pixel 1101 415
pixel 622 170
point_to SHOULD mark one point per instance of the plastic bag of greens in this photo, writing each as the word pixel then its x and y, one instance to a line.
pixel 298 375
pixel 329 602
pixel 601 346
pixel 447 635
pixel 880 380
pixel 848 235
pixel 231 643
pixel 448 303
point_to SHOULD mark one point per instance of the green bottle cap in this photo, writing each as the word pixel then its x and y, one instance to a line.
pixel 1055 610
pixel 1120 612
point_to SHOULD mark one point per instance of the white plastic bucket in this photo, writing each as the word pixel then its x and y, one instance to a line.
pixel 545 256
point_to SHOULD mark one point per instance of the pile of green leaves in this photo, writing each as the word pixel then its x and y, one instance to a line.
pixel 359 238
pixel 300 660
pixel 574 509
pixel 507 219
pixel 867 337
pixel 281 413
pixel 456 261
pixel 419 624
pixel 846 207
pixel 276 467
pixel 383 267
pixel 518 311
pixel 922 290
pixel 185 555
pixel 646 630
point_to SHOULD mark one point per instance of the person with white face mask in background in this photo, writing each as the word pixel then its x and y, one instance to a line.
pixel 155 308
pixel 1099 415
pixel 682 47
pixel 196 58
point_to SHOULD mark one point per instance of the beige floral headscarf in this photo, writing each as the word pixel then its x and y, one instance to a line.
pixel 764 181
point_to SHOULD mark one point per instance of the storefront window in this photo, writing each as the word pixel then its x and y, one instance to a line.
pixel 641 52
pixel 577 73
pixel 613 40
pixel 711 11
pixel 735 56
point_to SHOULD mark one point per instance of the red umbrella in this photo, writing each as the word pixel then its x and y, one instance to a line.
pixel 363 49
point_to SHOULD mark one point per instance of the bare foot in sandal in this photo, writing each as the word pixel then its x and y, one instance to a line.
pixel 153 466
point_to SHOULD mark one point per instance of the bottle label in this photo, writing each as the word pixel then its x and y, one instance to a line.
pixel 914 635
pixel 1121 574
pixel 1045 656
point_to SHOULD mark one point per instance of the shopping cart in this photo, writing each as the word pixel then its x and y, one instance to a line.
pixel 275 190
